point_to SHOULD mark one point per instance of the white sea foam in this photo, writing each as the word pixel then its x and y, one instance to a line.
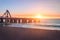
pixel 34 26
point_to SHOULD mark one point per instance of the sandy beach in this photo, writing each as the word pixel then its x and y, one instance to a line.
pixel 17 33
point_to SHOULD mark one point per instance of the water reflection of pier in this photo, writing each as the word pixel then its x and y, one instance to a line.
pixel 6 18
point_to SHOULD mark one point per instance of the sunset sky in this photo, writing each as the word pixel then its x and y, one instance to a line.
pixel 49 8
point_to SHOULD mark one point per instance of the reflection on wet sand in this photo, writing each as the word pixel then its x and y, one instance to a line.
pixel 18 33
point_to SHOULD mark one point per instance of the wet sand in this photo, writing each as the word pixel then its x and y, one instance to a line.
pixel 16 33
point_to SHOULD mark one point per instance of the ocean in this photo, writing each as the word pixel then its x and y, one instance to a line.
pixel 47 24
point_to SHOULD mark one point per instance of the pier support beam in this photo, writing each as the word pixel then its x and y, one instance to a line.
pixel 1 20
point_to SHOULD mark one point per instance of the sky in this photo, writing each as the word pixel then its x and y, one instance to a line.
pixel 24 8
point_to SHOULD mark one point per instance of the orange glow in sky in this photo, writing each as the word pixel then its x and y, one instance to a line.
pixel 34 16
pixel 38 16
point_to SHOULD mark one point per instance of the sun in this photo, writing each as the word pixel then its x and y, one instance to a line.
pixel 38 16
